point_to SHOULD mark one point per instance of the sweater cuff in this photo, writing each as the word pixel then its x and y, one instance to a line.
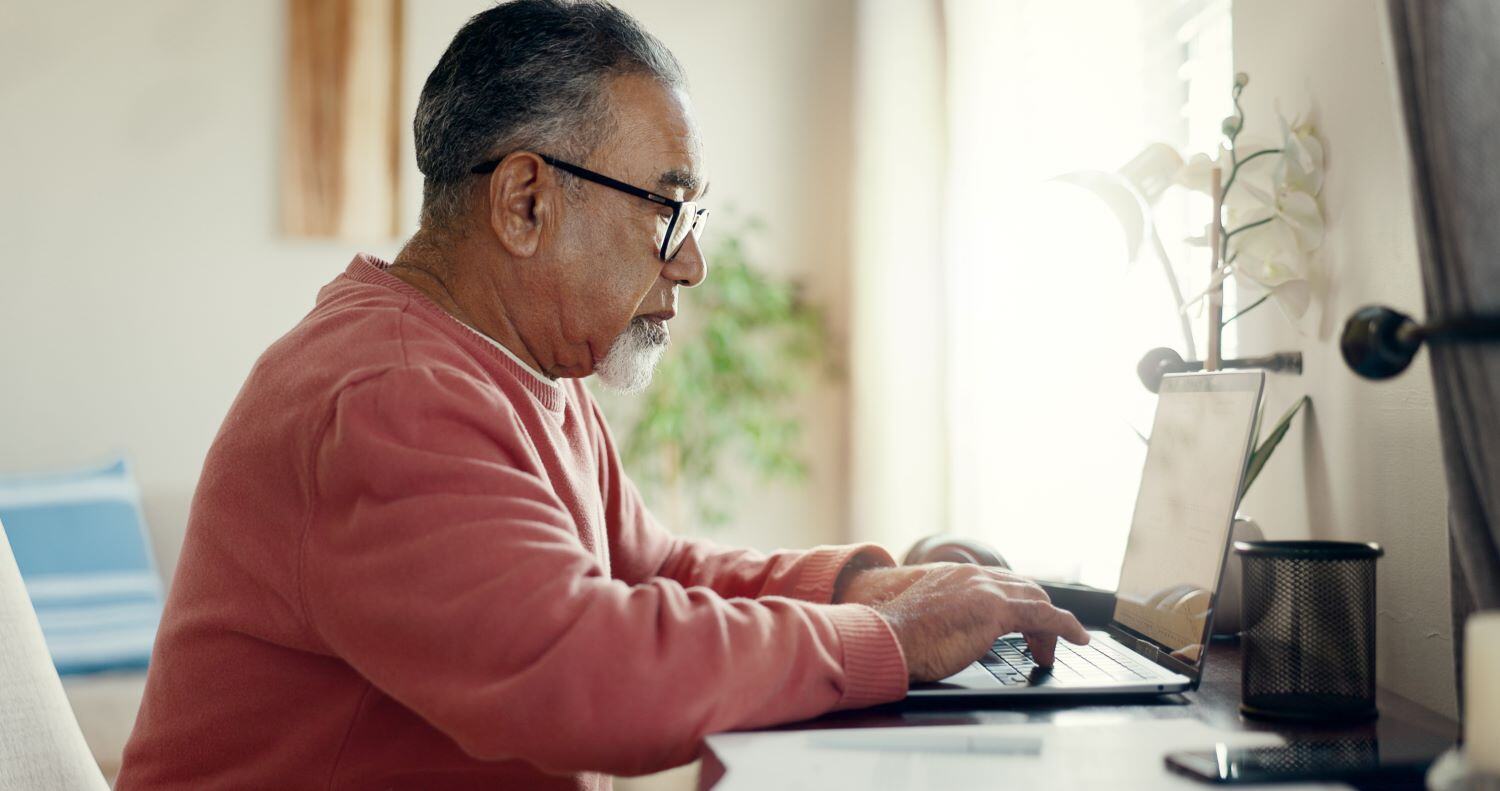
pixel 822 565
pixel 874 666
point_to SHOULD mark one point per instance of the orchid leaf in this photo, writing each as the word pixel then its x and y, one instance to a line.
pixel 1264 450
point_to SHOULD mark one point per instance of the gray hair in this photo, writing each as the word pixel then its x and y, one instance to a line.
pixel 525 75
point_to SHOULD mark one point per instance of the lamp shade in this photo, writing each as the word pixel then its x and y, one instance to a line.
pixel 1131 190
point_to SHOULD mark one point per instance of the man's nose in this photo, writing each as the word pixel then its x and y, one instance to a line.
pixel 688 267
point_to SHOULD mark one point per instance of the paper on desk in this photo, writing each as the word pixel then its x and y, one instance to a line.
pixel 1125 754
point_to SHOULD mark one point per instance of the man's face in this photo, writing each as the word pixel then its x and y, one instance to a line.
pixel 614 293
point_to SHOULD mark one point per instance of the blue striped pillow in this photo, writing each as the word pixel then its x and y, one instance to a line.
pixel 81 545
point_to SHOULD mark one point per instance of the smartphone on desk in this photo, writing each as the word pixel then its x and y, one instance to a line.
pixel 1338 760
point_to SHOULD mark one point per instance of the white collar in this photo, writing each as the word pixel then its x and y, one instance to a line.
pixel 512 355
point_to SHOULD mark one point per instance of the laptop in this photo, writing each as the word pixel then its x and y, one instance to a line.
pixel 1179 538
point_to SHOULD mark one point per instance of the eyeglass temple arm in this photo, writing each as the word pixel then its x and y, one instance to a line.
pixel 600 178
pixel 589 175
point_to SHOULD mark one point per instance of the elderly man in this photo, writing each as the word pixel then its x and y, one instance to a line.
pixel 414 560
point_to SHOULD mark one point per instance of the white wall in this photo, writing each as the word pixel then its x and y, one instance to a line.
pixel 1365 463
pixel 141 272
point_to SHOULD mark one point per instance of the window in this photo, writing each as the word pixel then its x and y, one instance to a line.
pixel 1045 320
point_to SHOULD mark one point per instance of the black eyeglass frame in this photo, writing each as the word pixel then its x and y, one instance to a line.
pixel 629 189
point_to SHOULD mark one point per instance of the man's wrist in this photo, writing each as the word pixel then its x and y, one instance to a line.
pixel 857 565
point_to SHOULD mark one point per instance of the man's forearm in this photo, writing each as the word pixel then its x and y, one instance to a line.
pixel 810 575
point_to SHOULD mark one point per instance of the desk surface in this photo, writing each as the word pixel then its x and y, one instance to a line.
pixel 1216 703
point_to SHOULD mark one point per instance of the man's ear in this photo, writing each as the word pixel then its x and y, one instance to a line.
pixel 524 194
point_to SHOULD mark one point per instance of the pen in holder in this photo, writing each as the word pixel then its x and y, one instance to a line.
pixel 1309 629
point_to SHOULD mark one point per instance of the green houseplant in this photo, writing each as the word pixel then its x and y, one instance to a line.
pixel 746 343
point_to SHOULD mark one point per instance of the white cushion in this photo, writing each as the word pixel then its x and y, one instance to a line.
pixel 105 705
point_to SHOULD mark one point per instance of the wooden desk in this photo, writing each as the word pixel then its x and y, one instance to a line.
pixel 1216 703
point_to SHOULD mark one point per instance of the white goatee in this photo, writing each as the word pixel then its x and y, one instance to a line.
pixel 632 358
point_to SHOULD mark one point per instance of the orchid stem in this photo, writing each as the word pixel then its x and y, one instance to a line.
pixel 1240 114
pixel 1235 172
pixel 1247 226
pixel 1247 309
pixel 1224 237
pixel 1234 165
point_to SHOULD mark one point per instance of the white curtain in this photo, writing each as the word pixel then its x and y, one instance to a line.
pixel 899 435
pixel 997 323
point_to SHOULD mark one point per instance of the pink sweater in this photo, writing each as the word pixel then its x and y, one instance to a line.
pixel 413 564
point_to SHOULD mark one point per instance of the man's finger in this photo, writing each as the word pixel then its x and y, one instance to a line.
pixel 1041 617
pixel 1043 647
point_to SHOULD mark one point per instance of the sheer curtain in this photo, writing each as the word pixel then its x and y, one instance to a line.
pixel 1034 437
pixel 899 436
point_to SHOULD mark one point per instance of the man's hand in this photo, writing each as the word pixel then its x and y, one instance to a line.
pixel 946 615
pixel 873 586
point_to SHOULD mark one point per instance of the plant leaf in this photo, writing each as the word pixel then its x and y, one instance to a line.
pixel 1263 453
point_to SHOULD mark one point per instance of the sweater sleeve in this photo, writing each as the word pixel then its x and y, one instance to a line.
pixel 441 567
pixel 641 548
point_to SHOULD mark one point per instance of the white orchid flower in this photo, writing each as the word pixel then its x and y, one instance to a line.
pixel 1271 211
pixel 1197 173
pixel 1268 254
pixel 1300 166
pixel 1300 211
pixel 1297 209
pixel 1293 296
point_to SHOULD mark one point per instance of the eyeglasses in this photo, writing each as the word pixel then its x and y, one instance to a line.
pixel 671 234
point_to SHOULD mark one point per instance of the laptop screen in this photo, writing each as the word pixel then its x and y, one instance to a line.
pixel 1190 485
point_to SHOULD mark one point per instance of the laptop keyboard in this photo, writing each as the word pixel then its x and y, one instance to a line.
pixel 1099 662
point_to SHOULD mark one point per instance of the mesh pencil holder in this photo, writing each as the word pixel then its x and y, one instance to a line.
pixel 1309 629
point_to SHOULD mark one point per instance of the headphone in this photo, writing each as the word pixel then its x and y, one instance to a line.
pixel 1380 342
